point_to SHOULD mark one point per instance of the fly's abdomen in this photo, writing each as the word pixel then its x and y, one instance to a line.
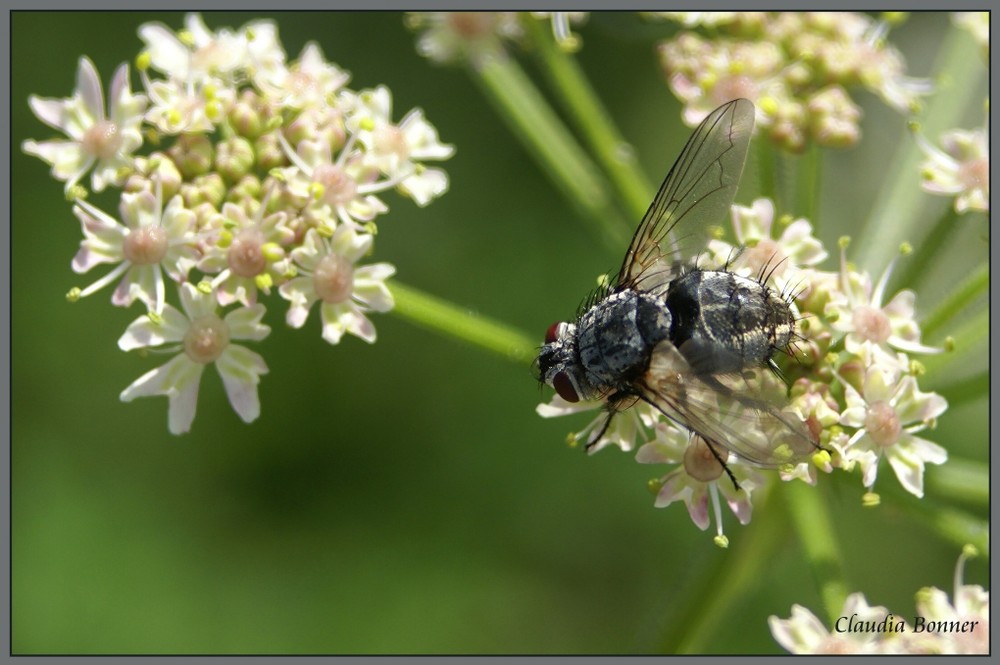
pixel 726 323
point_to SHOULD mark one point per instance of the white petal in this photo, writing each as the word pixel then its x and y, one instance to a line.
pixel 909 469
pixel 178 380
pixel 50 111
pixel 424 187
pixel 88 85
pixel 143 332
pixel 195 303
pixel 68 158
pixel 166 52
pixel 360 326
pixel 240 369
pixel 333 326
pixel 374 295
pixel 244 323
pixel 139 283
pixel 301 292
pixel 374 272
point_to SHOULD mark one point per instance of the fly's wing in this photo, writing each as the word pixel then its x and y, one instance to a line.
pixel 697 191
pixel 729 411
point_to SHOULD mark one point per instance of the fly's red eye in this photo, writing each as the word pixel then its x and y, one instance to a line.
pixel 552 334
pixel 564 387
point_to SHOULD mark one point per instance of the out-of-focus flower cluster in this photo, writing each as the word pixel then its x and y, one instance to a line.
pixel 851 377
pixel 978 25
pixel 939 625
pixel 259 176
pixel 797 68
pixel 476 37
pixel 959 168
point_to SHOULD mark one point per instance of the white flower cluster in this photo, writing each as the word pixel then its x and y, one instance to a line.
pixel 939 626
pixel 797 68
pixel 852 380
pixel 261 174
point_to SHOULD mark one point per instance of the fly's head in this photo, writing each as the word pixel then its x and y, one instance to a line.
pixel 559 364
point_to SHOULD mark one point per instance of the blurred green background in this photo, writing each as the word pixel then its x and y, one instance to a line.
pixel 400 497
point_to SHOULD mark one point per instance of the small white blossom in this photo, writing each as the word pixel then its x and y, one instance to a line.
pixel 970 609
pixel 760 253
pixel 448 37
pixel 803 633
pixel 700 477
pixel 248 254
pixel 343 186
pixel 177 107
pixel 197 53
pixel 624 430
pixel 95 138
pixel 201 337
pixel 310 81
pixel 960 169
pixel 861 628
pixel 858 311
pixel 345 292
pixel 151 240
pixel 398 150
pixel 888 411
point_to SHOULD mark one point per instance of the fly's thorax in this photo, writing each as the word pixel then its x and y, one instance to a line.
pixel 723 322
pixel 616 336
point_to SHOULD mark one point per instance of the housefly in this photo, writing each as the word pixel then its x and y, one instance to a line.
pixel 694 344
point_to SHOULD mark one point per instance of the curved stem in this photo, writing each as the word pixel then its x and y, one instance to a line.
pixel 720 585
pixel 936 239
pixel 967 338
pixel 579 99
pixel 975 285
pixel 965 390
pixel 767 172
pixel 960 480
pixel 952 525
pixel 809 185
pixel 819 542
pixel 535 124
pixel 461 323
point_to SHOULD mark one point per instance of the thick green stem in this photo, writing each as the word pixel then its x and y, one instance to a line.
pixel 966 339
pixel 533 122
pixel 953 525
pixel 974 286
pixel 738 569
pixel 767 169
pixel 966 390
pixel 589 115
pixel 812 521
pixel 809 185
pixel 461 323
pixel 916 266
pixel 962 480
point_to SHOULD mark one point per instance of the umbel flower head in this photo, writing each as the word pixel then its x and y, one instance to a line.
pixel 797 67
pixel 261 176
pixel 850 381
pixel 940 626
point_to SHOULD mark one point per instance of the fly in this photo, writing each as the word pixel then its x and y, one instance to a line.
pixel 692 343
